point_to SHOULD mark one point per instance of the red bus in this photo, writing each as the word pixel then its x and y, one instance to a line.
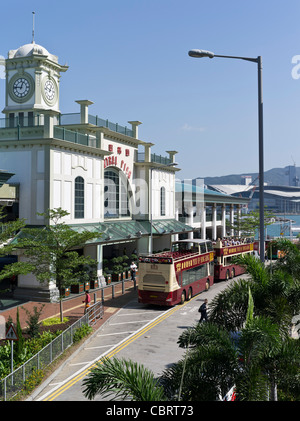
pixel 171 277
pixel 225 251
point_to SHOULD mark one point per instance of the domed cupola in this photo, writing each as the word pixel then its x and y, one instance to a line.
pixel 32 82
pixel 31 49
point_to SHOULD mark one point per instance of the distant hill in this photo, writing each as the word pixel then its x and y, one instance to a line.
pixel 274 177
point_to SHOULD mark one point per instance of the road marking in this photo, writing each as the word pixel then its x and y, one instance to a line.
pixel 126 323
pixel 85 362
pixel 120 314
pixel 83 372
pixel 117 333
pixel 98 347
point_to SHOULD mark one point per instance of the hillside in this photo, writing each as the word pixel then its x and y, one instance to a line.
pixel 275 177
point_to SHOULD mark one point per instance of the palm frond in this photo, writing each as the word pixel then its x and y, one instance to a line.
pixel 122 379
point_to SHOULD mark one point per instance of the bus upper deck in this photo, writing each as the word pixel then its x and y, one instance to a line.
pixel 225 250
pixel 181 249
pixel 172 276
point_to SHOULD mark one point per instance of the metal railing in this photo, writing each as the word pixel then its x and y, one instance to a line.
pixel 158 159
pixel 12 384
pixel 75 137
pixel 75 118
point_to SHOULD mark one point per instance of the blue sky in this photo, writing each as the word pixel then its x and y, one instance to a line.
pixel 130 57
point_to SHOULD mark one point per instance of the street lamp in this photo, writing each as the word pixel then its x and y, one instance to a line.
pixel 258 60
pixel 151 196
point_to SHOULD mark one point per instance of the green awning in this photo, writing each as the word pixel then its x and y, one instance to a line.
pixel 120 231
pixel 166 226
pixel 110 232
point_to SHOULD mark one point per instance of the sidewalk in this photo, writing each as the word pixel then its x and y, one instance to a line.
pixel 74 307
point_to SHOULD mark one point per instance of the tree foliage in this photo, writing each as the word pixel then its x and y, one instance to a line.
pixel 52 251
pixel 249 224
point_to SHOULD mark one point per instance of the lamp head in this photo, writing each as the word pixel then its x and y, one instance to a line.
pixel 201 53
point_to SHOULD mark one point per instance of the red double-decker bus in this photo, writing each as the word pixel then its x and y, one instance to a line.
pixel 171 277
pixel 225 251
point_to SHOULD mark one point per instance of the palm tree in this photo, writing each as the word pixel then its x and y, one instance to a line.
pixel 276 295
pixel 245 343
pixel 122 379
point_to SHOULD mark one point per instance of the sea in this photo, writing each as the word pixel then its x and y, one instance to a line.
pixel 285 227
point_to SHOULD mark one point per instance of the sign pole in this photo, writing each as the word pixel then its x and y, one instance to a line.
pixel 12 336
pixel 12 357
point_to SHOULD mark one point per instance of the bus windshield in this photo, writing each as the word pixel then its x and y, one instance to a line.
pixel 185 247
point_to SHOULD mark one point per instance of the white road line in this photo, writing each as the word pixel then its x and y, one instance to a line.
pixel 120 314
pixel 126 323
pixel 86 362
pixel 97 347
pixel 113 334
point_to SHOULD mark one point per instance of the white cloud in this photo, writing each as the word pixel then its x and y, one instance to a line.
pixel 186 127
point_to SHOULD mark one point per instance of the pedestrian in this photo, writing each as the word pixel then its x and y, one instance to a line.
pixel 133 268
pixel 86 301
pixel 203 311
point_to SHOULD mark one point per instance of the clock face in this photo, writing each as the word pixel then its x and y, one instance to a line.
pixel 21 87
pixel 49 90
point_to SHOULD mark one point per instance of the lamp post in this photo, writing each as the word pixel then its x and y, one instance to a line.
pixel 258 60
pixel 151 196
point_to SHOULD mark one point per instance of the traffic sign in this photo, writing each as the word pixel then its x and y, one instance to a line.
pixel 11 334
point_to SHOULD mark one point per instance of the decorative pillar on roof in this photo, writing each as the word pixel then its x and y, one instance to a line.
pixel 147 147
pixel 134 127
pixel 84 114
pixel 172 155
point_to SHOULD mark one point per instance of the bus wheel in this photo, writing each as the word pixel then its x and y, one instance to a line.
pixel 189 294
pixel 232 273
pixel 207 285
pixel 227 275
pixel 182 300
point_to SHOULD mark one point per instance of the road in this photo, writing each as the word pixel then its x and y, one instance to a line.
pixel 142 333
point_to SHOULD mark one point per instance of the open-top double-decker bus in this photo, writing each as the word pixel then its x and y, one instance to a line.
pixel 225 250
pixel 171 277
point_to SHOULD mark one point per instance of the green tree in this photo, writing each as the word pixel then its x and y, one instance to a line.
pixel 20 342
pixel 8 231
pixel 51 251
pixel 276 295
pixel 248 225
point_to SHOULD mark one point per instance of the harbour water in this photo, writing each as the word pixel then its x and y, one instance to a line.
pixel 284 228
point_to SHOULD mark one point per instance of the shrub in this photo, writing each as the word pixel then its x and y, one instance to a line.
pixel 81 332
pixel 54 321
pixel 33 320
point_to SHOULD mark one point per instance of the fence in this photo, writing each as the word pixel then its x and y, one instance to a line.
pixel 14 382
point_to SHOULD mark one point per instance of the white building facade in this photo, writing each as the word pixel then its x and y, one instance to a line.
pixel 106 178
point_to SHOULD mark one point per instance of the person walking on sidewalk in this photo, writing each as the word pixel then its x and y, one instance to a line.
pixel 86 301
pixel 203 311
pixel 133 268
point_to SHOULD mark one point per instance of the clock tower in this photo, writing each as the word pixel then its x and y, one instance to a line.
pixel 32 83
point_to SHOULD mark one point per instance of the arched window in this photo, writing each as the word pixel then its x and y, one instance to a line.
pixel 162 201
pixel 79 197
pixel 115 194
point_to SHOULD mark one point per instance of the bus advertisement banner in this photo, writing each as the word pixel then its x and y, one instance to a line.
pixel 194 262
pixel 227 251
